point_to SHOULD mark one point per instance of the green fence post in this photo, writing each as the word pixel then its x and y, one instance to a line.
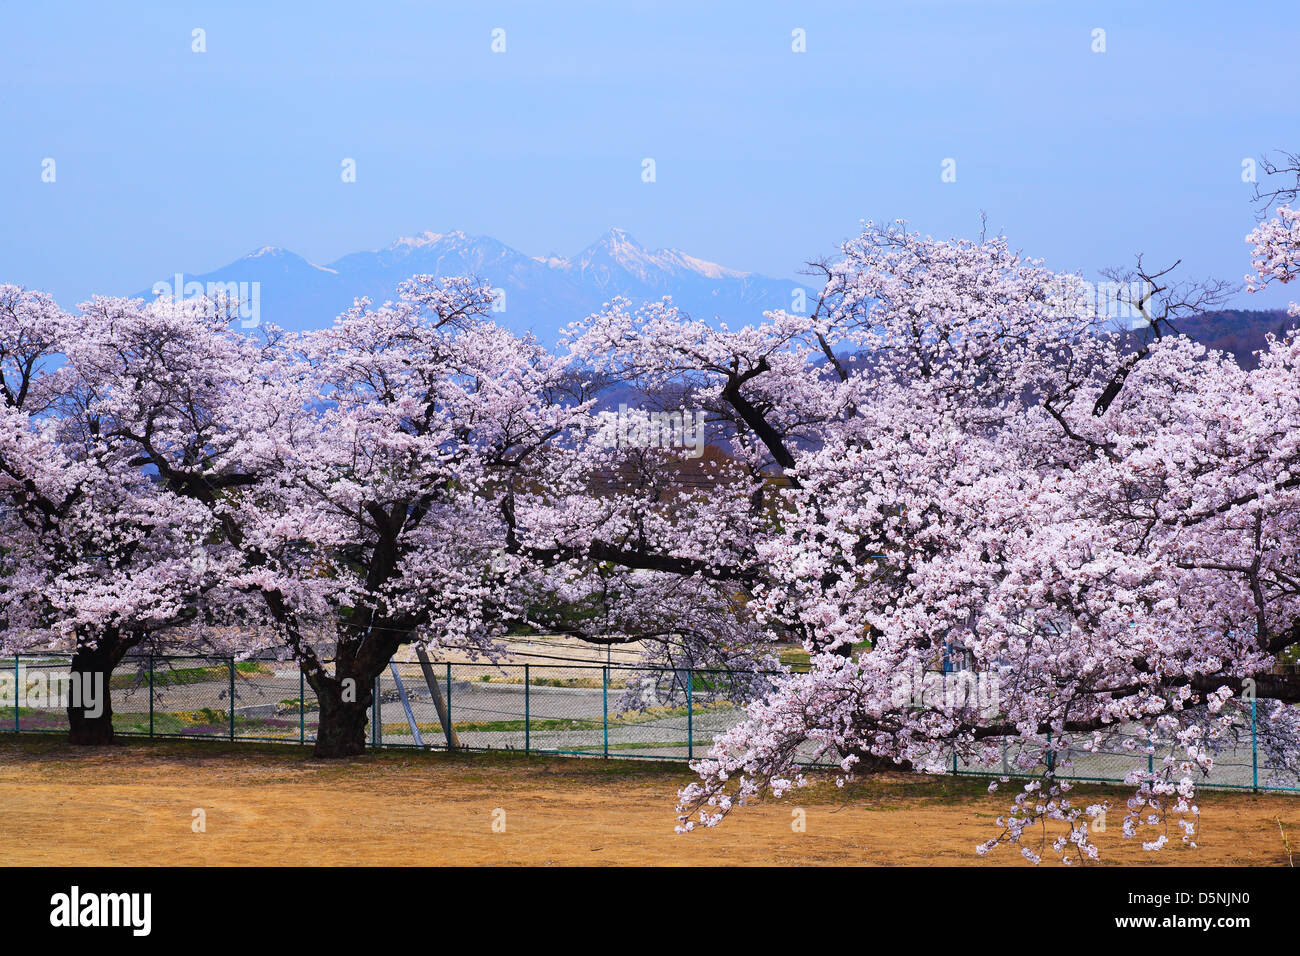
pixel 527 711
pixel 302 706
pixel 690 714
pixel 1254 750
pixel 604 705
pixel 18 693
pixel 954 760
pixel 376 714
pixel 150 695
pixel 232 698
pixel 1151 764
pixel 449 703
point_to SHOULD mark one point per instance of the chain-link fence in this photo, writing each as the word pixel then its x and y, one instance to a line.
pixel 558 708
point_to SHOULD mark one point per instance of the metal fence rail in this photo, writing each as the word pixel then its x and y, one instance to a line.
pixel 555 708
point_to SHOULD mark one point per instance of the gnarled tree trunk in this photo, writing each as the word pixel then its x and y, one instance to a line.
pixel 344 713
pixel 90 697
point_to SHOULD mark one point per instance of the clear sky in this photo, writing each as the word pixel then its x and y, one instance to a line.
pixel 169 160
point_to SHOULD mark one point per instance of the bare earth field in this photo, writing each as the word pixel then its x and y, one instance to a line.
pixel 276 805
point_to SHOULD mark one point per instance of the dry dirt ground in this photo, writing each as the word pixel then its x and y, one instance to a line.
pixel 275 805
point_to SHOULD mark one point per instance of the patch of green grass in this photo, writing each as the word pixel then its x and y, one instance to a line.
pixel 290 705
pixel 794 657
pixel 181 676
pixel 626 719
pixel 584 682
pixel 587 682
pixel 656 745
pixel 206 721
pixel 798 659
pixel 34 718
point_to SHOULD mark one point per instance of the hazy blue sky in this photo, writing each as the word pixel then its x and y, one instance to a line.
pixel 170 160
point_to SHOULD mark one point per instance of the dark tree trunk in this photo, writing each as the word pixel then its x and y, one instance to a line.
pixel 345 697
pixel 90 698
pixel 869 763
pixel 342 728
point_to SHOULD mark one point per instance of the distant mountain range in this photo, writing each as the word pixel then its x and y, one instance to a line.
pixel 542 294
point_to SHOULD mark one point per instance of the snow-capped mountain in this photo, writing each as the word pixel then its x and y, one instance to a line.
pixel 616 254
pixel 542 293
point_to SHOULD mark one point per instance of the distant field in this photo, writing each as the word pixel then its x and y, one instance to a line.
pixel 276 805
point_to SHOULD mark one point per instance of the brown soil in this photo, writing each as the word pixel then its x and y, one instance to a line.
pixel 275 805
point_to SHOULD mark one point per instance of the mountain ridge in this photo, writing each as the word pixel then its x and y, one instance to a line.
pixel 543 294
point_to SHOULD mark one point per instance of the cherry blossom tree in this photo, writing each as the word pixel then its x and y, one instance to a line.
pixel 428 410
pixel 100 558
pixel 349 470
pixel 1109 533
